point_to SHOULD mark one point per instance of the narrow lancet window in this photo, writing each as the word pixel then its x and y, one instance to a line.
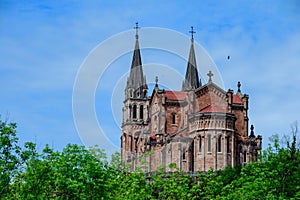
pixel 134 112
pixel 200 143
pixel 209 143
pixel 141 112
pixel 173 118
pixel 228 145
pixel 220 143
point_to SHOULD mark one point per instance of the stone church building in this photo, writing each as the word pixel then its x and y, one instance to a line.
pixel 198 128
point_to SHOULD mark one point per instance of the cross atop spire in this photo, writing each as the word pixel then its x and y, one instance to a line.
pixel 136 83
pixel 192 32
pixel 136 30
pixel 191 81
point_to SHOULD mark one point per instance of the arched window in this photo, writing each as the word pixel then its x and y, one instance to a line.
pixel 228 144
pixel 220 143
pixel 173 118
pixel 129 143
pixel 134 112
pixel 209 143
pixel 141 112
pixel 245 156
pixel 200 143
pixel 183 155
pixel 148 114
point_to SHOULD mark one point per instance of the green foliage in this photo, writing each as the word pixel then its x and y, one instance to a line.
pixel 79 173
pixel 10 159
pixel 74 173
pixel 277 177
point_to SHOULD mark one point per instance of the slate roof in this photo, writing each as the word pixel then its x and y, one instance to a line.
pixel 137 80
pixel 191 76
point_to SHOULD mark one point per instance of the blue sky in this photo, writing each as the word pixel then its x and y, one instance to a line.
pixel 44 43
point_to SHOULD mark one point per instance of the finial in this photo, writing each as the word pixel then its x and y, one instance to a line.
pixel 209 74
pixel 239 86
pixel 192 32
pixel 136 30
pixel 156 83
pixel 252 131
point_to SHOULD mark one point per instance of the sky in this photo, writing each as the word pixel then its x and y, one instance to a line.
pixel 44 44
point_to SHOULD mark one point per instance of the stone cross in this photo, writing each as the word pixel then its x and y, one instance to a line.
pixel 209 74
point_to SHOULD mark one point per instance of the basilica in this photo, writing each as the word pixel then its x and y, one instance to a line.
pixel 195 129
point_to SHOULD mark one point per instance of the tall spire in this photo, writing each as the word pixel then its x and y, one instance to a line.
pixel 191 81
pixel 136 61
pixel 136 83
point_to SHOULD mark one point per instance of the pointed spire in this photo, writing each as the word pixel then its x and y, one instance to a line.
pixel 137 81
pixel 191 81
pixel 136 61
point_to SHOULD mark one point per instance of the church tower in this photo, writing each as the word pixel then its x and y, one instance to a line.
pixel 136 89
pixel 135 105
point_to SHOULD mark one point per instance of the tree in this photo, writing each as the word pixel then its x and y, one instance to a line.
pixel 10 160
pixel 74 173
pixel 276 177
pixel 80 173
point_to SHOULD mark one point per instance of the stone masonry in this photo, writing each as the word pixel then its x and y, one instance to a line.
pixel 197 128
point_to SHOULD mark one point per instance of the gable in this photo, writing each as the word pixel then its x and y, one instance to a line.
pixel 211 95
pixel 236 99
pixel 155 103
